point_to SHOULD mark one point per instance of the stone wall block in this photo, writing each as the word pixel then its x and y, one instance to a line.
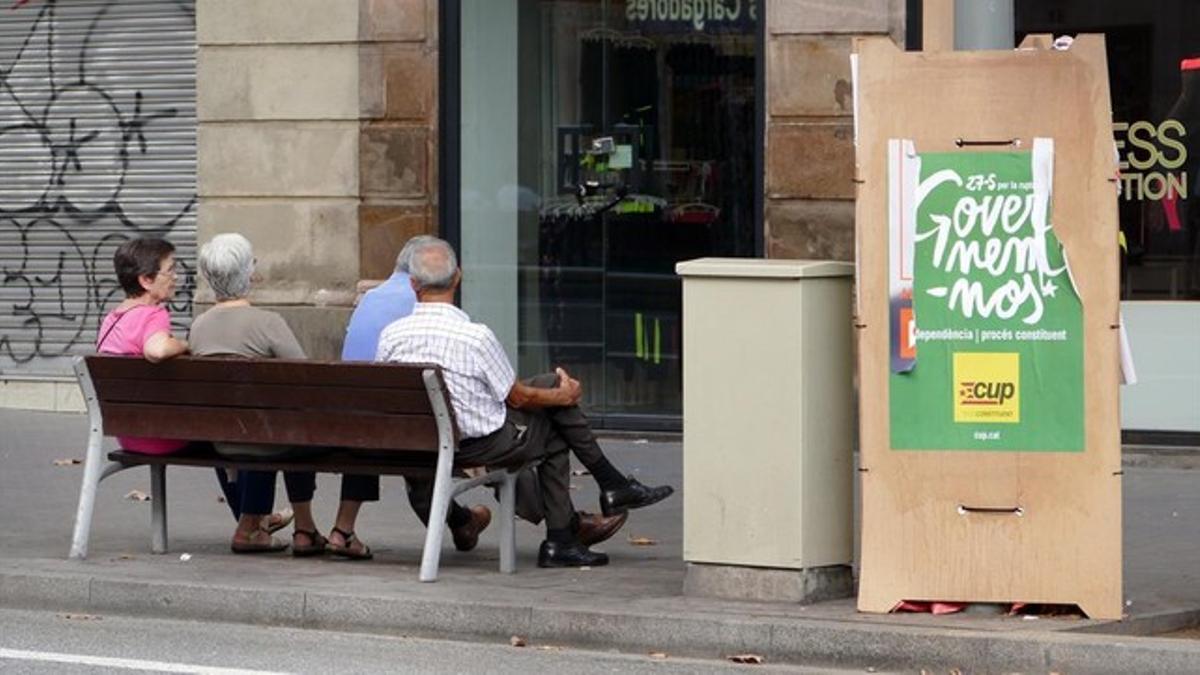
pixel 307 249
pixel 393 20
pixel 395 161
pixel 277 82
pixel 27 395
pixel 827 16
pixel 809 75
pixel 810 229
pixel 320 330
pixel 372 92
pixel 308 159
pixel 811 160
pixel 275 21
pixel 383 229
pixel 410 75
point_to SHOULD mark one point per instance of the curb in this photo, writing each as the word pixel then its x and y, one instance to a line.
pixel 808 641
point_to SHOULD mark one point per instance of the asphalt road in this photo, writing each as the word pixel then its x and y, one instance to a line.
pixel 43 642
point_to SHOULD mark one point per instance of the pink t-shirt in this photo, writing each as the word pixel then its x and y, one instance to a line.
pixel 126 333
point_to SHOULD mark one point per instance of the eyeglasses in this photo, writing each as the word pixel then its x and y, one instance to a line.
pixel 171 271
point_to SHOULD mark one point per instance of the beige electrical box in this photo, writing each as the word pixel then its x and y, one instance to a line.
pixel 768 421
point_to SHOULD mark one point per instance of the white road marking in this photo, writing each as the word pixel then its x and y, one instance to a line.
pixel 127 664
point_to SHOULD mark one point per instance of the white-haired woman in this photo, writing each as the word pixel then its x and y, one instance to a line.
pixel 233 327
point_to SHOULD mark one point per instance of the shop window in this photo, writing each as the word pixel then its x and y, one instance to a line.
pixel 1154 76
pixel 599 143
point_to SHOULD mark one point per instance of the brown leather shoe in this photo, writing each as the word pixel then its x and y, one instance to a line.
pixel 467 536
pixel 595 528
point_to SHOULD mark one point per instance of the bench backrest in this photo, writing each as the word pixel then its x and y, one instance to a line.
pixel 373 406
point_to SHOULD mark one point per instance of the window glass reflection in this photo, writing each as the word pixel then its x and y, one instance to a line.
pixel 621 143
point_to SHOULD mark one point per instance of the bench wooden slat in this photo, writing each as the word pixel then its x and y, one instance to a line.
pixel 253 395
pixel 272 371
pixel 283 427
pixel 405 464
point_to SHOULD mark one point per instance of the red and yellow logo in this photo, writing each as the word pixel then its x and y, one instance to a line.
pixel 908 331
pixel 987 387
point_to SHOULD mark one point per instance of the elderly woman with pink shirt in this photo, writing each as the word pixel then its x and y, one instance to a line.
pixel 140 325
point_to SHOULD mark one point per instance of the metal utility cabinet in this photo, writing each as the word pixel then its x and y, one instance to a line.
pixel 768 428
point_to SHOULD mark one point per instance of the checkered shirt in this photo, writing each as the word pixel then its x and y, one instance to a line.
pixel 474 364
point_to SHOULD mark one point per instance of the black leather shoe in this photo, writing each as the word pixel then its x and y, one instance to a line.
pixel 633 496
pixel 554 554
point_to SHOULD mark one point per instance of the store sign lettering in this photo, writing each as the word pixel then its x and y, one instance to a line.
pixel 1149 156
pixel 699 15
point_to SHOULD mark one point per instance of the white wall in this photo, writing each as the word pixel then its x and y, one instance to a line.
pixel 490 166
pixel 1165 340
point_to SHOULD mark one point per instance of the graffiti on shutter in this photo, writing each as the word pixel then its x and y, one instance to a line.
pixel 97 146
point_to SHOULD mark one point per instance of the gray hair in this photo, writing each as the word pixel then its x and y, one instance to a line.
pixel 433 265
pixel 404 259
pixel 227 263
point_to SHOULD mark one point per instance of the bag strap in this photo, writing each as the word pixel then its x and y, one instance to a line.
pixel 122 315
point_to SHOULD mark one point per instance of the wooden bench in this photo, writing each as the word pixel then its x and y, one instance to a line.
pixel 382 419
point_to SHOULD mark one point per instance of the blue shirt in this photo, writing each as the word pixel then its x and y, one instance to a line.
pixel 380 306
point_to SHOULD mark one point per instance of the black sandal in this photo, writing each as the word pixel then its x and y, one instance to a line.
pixel 318 545
pixel 345 550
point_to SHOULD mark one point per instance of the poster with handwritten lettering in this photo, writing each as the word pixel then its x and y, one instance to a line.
pixel 986 324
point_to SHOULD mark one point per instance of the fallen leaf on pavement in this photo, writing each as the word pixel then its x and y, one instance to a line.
pixel 80 617
pixel 125 556
pixel 220 499
pixel 67 462
pixel 752 659
pixel 581 472
pixel 516 641
pixel 658 655
pixel 137 496
pixel 642 541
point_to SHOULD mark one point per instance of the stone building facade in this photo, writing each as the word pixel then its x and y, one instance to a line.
pixel 317 137
pixel 318 133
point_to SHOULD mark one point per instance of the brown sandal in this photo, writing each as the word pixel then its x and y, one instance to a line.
pixel 346 550
pixel 317 546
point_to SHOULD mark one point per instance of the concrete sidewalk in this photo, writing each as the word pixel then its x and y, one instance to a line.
pixel 633 605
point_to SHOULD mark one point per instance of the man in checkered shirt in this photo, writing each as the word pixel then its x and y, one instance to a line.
pixel 506 422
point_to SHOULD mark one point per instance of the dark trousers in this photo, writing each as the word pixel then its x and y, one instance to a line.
pixel 253 492
pixel 570 424
pixel 548 434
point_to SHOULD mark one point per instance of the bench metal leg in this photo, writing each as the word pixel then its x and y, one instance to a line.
pixel 437 527
pixel 87 497
pixel 158 508
pixel 508 524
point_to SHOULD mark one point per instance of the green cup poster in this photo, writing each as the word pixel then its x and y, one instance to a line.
pixel 986 333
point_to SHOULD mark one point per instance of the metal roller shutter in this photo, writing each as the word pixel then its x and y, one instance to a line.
pixel 97 145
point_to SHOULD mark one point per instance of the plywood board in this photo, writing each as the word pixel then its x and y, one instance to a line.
pixel 917 544
pixel 937 25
